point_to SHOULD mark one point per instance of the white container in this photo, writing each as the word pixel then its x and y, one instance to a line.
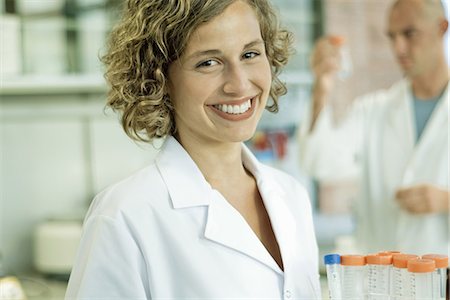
pixel 55 246
pixel 439 276
pixel 378 276
pixel 421 271
pixel 353 275
pixel 45 47
pixel 10 46
pixel 332 263
pixel 401 282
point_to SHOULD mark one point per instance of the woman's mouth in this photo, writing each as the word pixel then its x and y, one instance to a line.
pixel 234 109
pixel 235 112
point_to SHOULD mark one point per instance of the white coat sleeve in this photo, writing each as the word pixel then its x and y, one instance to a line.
pixel 330 151
pixel 109 264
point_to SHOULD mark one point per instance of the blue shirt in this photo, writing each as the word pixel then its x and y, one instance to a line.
pixel 423 108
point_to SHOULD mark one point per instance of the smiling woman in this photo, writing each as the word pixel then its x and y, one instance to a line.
pixel 224 64
pixel 206 220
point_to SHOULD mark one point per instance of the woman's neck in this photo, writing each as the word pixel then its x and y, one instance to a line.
pixel 216 161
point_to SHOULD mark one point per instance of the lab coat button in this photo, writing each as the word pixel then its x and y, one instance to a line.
pixel 287 294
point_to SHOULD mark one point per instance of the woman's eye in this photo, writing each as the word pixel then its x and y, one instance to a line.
pixel 207 63
pixel 249 55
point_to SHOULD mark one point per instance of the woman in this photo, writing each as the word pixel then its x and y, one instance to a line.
pixel 205 220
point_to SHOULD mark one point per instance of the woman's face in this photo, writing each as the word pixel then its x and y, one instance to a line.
pixel 220 85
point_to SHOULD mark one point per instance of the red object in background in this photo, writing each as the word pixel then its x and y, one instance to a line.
pixel 279 140
pixel 260 141
pixel 275 141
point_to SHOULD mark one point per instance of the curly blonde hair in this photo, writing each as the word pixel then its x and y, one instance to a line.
pixel 151 35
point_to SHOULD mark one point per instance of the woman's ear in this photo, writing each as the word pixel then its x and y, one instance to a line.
pixel 443 26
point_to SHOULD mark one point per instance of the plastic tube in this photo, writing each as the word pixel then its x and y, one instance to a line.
pixel 378 276
pixel 401 285
pixel 439 276
pixel 352 268
pixel 345 57
pixel 391 276
pixel 421 271
pixel 332 263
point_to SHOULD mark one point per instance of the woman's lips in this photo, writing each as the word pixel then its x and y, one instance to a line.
pixel 235 112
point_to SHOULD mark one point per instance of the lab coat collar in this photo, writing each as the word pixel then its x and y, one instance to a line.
pixel 224 225
pixel 435 130
pixel 227 227
pixel 275 201
pixel 174 163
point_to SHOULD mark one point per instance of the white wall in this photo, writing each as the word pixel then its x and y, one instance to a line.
pixel 56 153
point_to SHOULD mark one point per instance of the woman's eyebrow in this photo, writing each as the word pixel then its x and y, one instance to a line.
pixel 217 51
pixel 204 53
pixel 254 43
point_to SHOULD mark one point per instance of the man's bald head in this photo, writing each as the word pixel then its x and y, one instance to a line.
pixel 416 29
pixel 431 9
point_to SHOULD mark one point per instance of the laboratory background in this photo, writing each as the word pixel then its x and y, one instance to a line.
pixel 59 146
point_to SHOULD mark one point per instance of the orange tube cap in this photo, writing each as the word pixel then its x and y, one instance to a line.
pixel 401 260
pixel 377 259
pixel 353 260
pixel 421 266
pixel 440 260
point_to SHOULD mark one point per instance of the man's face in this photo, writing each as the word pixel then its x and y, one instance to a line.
pixel 416 38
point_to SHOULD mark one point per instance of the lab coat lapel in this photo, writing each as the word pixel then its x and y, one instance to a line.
pixel 224 225
pixel 275 202
pixel 401 124
pixel 294 255
pixel 283 223
pixel 185 182
pixel 435 132
pixel 397 138
pixel 227 227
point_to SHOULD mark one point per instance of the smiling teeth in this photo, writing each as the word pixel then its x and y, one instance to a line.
pixel 234 109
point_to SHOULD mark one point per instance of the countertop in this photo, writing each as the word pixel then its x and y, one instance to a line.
pixel 46 288
pixel 37 287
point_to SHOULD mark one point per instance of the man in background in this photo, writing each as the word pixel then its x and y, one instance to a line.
pixel 400 136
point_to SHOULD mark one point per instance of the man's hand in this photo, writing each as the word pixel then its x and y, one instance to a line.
pixel 424 199
pixel 325 63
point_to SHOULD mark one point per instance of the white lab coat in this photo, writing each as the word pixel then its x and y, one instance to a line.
pixel 380 132
pixel 165 233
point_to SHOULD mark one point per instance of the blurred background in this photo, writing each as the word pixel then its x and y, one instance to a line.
pixel 59 146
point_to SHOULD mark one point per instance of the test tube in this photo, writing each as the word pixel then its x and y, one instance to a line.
pixel 378 276
pixel 391 276
pixel 439 276
pixel 352 270
pixel 421 272
pixel 332 263
pixel 344 55
pixel 401 286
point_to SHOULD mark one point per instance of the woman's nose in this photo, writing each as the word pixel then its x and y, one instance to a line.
pixel 237 80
